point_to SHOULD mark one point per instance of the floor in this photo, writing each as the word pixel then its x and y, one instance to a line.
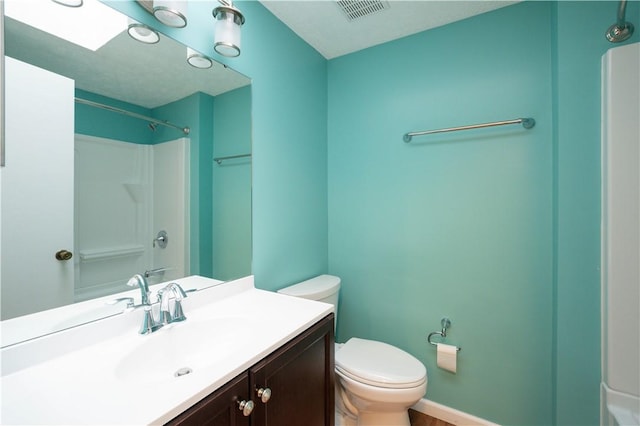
pixel 419 419
pixel 415 417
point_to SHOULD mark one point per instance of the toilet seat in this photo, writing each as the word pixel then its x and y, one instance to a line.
pixel 379 364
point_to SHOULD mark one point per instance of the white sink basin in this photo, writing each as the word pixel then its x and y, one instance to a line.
pixel 184 348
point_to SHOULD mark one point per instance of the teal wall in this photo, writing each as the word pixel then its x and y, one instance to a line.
pixel 457 225
pixel 499 229
pixel 231 254
pixel 289 117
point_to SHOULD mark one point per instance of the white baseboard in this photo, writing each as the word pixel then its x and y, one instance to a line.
pixel 449 415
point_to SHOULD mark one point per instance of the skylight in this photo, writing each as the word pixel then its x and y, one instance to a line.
pixel 90 26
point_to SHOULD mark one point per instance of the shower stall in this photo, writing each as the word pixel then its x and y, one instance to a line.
pixel 620 388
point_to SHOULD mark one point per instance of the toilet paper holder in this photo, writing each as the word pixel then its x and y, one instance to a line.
pixel 445 323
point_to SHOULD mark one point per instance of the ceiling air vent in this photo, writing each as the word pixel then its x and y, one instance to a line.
pixel 355 9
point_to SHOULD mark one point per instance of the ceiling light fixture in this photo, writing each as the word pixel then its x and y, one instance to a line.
pixel 227 29
pixel 198 60
pixel 142 33
pixel 172 13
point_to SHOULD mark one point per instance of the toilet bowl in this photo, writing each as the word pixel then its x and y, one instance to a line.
pixel 376 383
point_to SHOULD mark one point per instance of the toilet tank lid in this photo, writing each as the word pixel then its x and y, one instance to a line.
pixel 315 288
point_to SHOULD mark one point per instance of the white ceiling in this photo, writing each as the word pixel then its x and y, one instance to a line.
pixel 323 24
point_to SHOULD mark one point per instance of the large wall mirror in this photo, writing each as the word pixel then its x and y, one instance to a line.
pixel 121 158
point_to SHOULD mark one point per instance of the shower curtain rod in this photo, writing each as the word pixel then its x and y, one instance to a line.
pixel 527 123
pixel 151 120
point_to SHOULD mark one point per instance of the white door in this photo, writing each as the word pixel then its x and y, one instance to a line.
pixel 37 190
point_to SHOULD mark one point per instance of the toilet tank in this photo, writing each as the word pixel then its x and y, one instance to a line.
pixel 323 288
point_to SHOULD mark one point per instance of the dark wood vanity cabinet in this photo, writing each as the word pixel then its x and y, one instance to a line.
pixel 218 409
pixel 300 376
pixel 296 380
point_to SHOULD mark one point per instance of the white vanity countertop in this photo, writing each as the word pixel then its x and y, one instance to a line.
pixel 118 380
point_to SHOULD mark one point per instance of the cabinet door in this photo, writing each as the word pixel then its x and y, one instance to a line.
pixel 300 377
pixel 218 409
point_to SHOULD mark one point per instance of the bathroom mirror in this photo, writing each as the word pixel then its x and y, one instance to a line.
pixel 150 80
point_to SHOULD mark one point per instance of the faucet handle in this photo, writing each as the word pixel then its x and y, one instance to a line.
pixel 178 313
pixel 164 295
pixel 178 291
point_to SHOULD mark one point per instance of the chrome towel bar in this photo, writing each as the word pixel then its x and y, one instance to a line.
pixel 219 160
pixel 527 123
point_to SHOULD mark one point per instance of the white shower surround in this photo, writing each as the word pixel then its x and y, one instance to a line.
pixel 621 236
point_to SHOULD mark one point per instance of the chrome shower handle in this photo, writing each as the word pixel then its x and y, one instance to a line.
pixel 162 239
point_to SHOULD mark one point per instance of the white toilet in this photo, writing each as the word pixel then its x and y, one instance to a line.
pixel 376 383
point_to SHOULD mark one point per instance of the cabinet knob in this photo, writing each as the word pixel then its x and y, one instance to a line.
pixel 246 407
pixel 264 394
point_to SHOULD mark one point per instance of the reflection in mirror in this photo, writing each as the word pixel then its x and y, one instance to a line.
pixel 96 169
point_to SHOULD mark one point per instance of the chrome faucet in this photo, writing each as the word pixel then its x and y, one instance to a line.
pixel 148 323
pixel 164 295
